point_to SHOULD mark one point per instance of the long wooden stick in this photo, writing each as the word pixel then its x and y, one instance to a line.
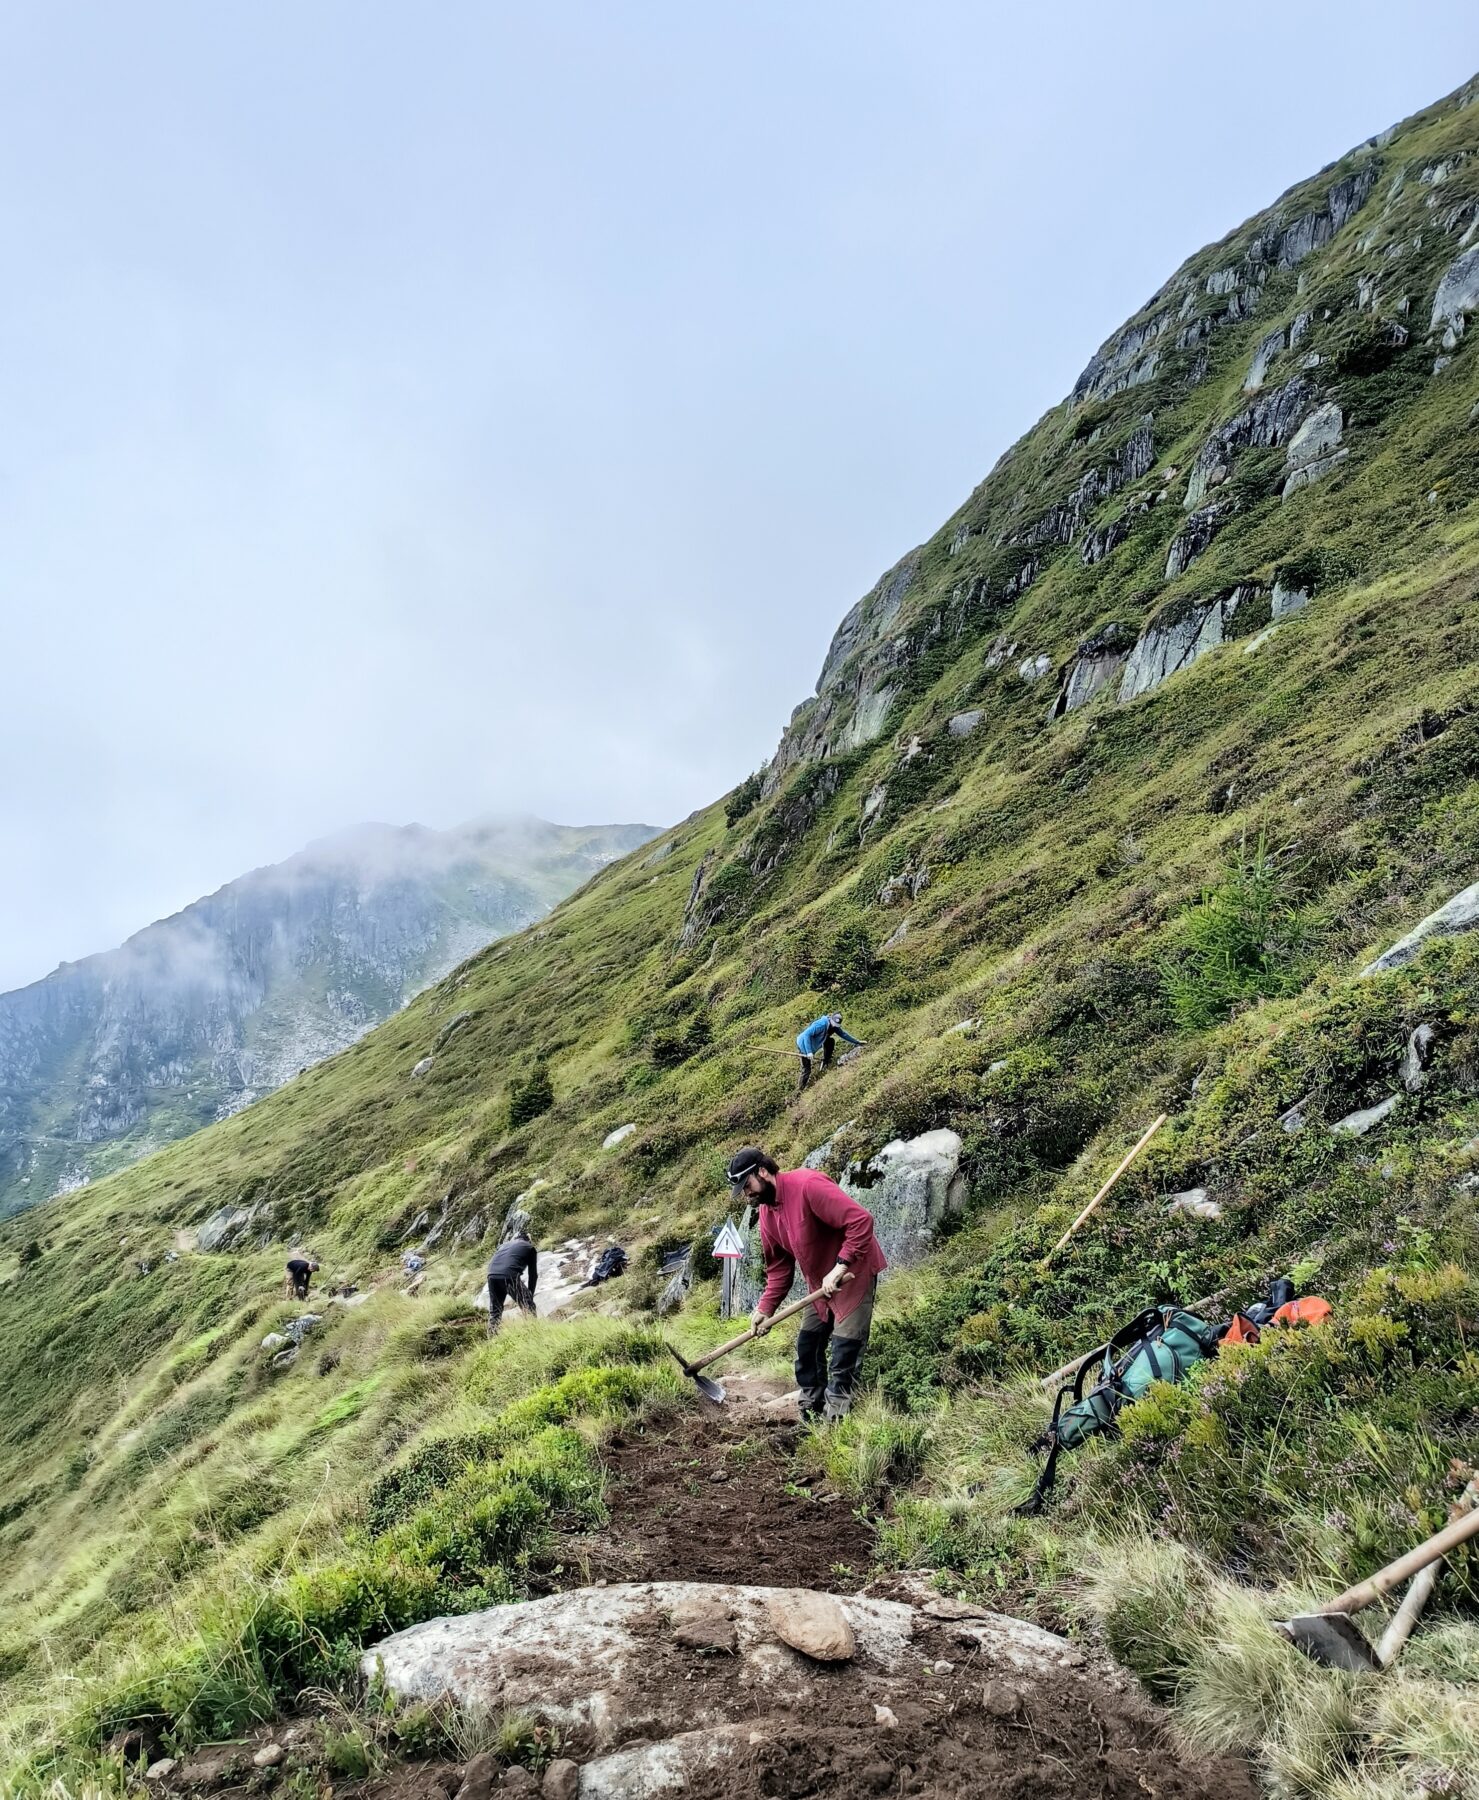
pixel 1094 1203
pixel 1399 1629
pixel 781 1312
pixel 1455 1532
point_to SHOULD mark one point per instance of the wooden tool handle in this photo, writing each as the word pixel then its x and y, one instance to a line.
pixel 744 1337
pixel 1104 1190
pixel 1455 1532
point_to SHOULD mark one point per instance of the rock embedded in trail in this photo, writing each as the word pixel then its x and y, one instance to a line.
pixel 814 1624
pixel 477 1777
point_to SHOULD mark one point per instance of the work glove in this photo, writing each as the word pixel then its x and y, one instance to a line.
pixel 759 1323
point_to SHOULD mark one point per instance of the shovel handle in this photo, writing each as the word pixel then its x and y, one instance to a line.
pixel 1455 1532
pixel 744 1337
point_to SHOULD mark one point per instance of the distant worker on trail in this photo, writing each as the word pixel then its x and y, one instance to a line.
pixel 513 1271
pixel 806 1219
pixel 299 1269
pixel 822 1034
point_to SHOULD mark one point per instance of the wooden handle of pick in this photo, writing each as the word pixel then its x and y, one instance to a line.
pixel 744 1337
pixel 1455 1532
pixel 1093 1204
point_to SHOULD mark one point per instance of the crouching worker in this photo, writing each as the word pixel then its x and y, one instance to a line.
pixel 299 1269
pixel 513 1272
pixel 821 1035
pixel 807 1220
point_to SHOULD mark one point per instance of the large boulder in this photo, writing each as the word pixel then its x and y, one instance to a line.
pixel 911 1187
pixel 227 1226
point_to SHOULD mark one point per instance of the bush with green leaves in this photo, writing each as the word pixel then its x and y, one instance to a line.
pixel 1244 940
pixel 530 1095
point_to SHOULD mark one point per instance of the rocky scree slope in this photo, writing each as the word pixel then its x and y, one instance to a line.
pixel 200 1014
pixel 1112 799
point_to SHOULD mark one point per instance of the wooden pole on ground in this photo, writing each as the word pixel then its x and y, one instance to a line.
pixel 1094 1203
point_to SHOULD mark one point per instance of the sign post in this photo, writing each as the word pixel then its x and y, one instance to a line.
pixel 729 1247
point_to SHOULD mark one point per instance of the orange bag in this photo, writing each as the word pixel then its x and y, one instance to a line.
pixel 1309 1311
pixel 1241 1331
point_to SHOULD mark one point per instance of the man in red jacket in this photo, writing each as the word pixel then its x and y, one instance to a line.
pixel 806 1219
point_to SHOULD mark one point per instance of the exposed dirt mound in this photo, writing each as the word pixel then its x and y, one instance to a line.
pixel 681 1687
pixel 714 1496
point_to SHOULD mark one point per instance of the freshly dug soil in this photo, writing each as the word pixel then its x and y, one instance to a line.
pixel 672 1520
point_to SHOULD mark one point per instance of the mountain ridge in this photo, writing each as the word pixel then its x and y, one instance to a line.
pixel 197 1014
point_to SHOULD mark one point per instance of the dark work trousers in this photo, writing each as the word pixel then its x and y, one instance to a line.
pixel 299 1280
pixel 829 1050
pixel 500 1290
pixel 827 1390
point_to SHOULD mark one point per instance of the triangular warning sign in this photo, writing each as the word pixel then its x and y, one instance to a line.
pixel 729 1242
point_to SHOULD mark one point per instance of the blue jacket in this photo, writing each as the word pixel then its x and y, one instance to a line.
pixel 808 1042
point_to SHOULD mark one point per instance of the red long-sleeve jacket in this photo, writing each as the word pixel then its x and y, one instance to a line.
pixel 813 1223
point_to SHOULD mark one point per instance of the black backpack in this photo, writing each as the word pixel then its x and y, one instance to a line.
pixel 1160 1344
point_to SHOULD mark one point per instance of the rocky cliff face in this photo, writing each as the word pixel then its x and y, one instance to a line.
pixel 196 1016
pixel 1268 365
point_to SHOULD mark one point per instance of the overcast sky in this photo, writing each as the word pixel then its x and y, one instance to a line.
pixel 414 412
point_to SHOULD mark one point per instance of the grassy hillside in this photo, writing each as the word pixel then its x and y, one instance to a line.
pixel 1152 904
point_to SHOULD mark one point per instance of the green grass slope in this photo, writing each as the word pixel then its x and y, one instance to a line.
pixel 1159 905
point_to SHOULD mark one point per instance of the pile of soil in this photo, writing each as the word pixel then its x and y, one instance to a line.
pixel 962 1729
pixel 714 1496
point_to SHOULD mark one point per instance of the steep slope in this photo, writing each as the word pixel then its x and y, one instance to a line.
pixel 196 1016
pixel 1109 796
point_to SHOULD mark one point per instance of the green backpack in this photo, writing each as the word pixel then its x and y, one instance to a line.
pixel 1161 1344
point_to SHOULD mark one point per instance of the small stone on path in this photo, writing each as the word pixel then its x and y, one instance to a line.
pixel 477 1777
pixel 562 1780
pixel 158 1770
pixel 814 1624
pixel 704 1625
pixel 269 1756
pixel 885 1718
pixel 516 1780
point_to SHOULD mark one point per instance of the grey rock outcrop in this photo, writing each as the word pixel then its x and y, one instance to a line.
pixel 1100 658
pixel 1270 421
pixel 1366 1118
pixel 1461 913
pixel 855 689
pixel 962 724
pixel 423 1067
pixel 1175 641
pixel 227 1226
pixel 1412 1071
pixel 1194 537
pixel 619 1136
pixel 1035 667
pixel 1458 290
pixel 1194 1203
pixel 1313 450
pixel 1268 348
pixel 1287 599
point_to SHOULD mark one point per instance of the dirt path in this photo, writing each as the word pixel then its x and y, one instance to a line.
pixel 713 1495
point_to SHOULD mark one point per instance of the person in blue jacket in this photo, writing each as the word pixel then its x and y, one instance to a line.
pixel 822 1034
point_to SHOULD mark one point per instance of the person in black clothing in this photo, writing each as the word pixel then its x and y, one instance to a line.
pixel 514 1271
pixel 298 1271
